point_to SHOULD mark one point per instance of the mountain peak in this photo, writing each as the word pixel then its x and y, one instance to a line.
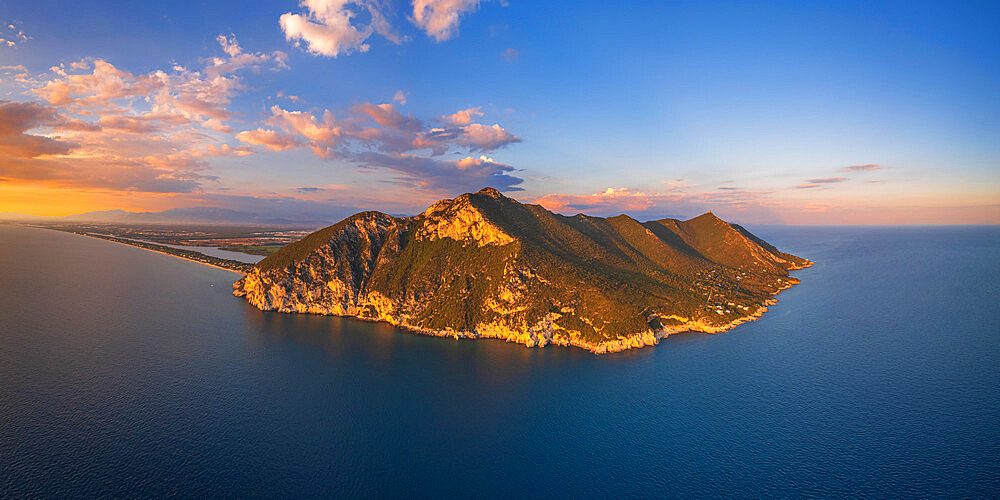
pixel 488 191
pixel 485 266
pixel 461 219
pixel 707 216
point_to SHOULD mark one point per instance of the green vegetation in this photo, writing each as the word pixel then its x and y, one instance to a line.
pixel 591 279
pixel 253 249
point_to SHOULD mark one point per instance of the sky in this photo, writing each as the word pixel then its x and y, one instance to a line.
pixel 763 112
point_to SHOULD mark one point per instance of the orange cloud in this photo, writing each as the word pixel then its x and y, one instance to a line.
pixel 275 141
pixel 16 118
pixel 106 128
pixel 463 117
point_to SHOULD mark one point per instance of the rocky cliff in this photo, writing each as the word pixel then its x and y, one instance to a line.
pixel 484 265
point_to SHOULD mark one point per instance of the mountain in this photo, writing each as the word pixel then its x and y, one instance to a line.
pixel 484 265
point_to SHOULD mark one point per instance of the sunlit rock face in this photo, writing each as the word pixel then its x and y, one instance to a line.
pixel 484 265
pixel 461 220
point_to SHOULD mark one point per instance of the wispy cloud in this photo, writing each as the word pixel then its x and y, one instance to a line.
pixel 679 199
pixel 862 168
pixel 819 182
pixel 826 180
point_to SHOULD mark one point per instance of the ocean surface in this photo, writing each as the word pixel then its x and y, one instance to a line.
pixel 125 372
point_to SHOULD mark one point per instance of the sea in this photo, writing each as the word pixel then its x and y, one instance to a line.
pixel 128 373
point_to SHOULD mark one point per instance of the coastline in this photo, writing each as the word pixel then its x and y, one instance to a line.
pixel 530 339
pixel 123 241
pixel 241 273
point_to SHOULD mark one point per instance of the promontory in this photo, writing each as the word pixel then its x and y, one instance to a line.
pixel 483 265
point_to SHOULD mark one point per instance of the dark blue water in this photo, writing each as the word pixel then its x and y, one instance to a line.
pixel 126 372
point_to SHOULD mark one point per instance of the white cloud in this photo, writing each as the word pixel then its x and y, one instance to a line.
pixel 327 27
pixel 439 18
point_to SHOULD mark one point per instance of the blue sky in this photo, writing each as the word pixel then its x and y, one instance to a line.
pixel 647 108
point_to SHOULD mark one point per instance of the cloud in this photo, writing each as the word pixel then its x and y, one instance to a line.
pixel 275 141
pixel 862 168
pixel 475 136
pixel 380 136
pixel 467 174
pixel 11 36
pixel 104 127
pixel 615 199
pixel 309 189
pixel 826 180
pixel 224 150
pixel 486 137
pixel 463 117
pixel 387 115
pixel 16 118
pixel 327 27
pixel 511 55
pixel 191 94
pixel 238 59
pixel 400 97
pixel 382 127
pixel 679 200
pixel 807 185
pixel 333 28
pixel 440 18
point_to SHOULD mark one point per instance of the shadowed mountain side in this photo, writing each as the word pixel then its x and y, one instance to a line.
pixel 484 265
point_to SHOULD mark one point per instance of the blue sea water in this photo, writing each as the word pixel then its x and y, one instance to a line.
pixel 129 373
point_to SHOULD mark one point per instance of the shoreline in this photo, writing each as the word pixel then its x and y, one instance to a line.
pixel 635 341
pixel 123 241
pixel 241 273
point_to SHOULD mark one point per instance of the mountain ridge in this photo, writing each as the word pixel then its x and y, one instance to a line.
pixel 484 265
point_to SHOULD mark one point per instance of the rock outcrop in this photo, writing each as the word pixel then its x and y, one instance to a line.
pixel 485 266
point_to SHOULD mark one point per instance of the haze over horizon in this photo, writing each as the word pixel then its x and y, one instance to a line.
pixel 794 112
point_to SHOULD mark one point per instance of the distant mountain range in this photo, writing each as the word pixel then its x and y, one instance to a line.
pixel 190 215
pixel 484 265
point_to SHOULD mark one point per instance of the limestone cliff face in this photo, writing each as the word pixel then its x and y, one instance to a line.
pixel 483 265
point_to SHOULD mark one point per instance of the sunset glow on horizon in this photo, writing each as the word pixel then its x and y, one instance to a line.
pixel 777 113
